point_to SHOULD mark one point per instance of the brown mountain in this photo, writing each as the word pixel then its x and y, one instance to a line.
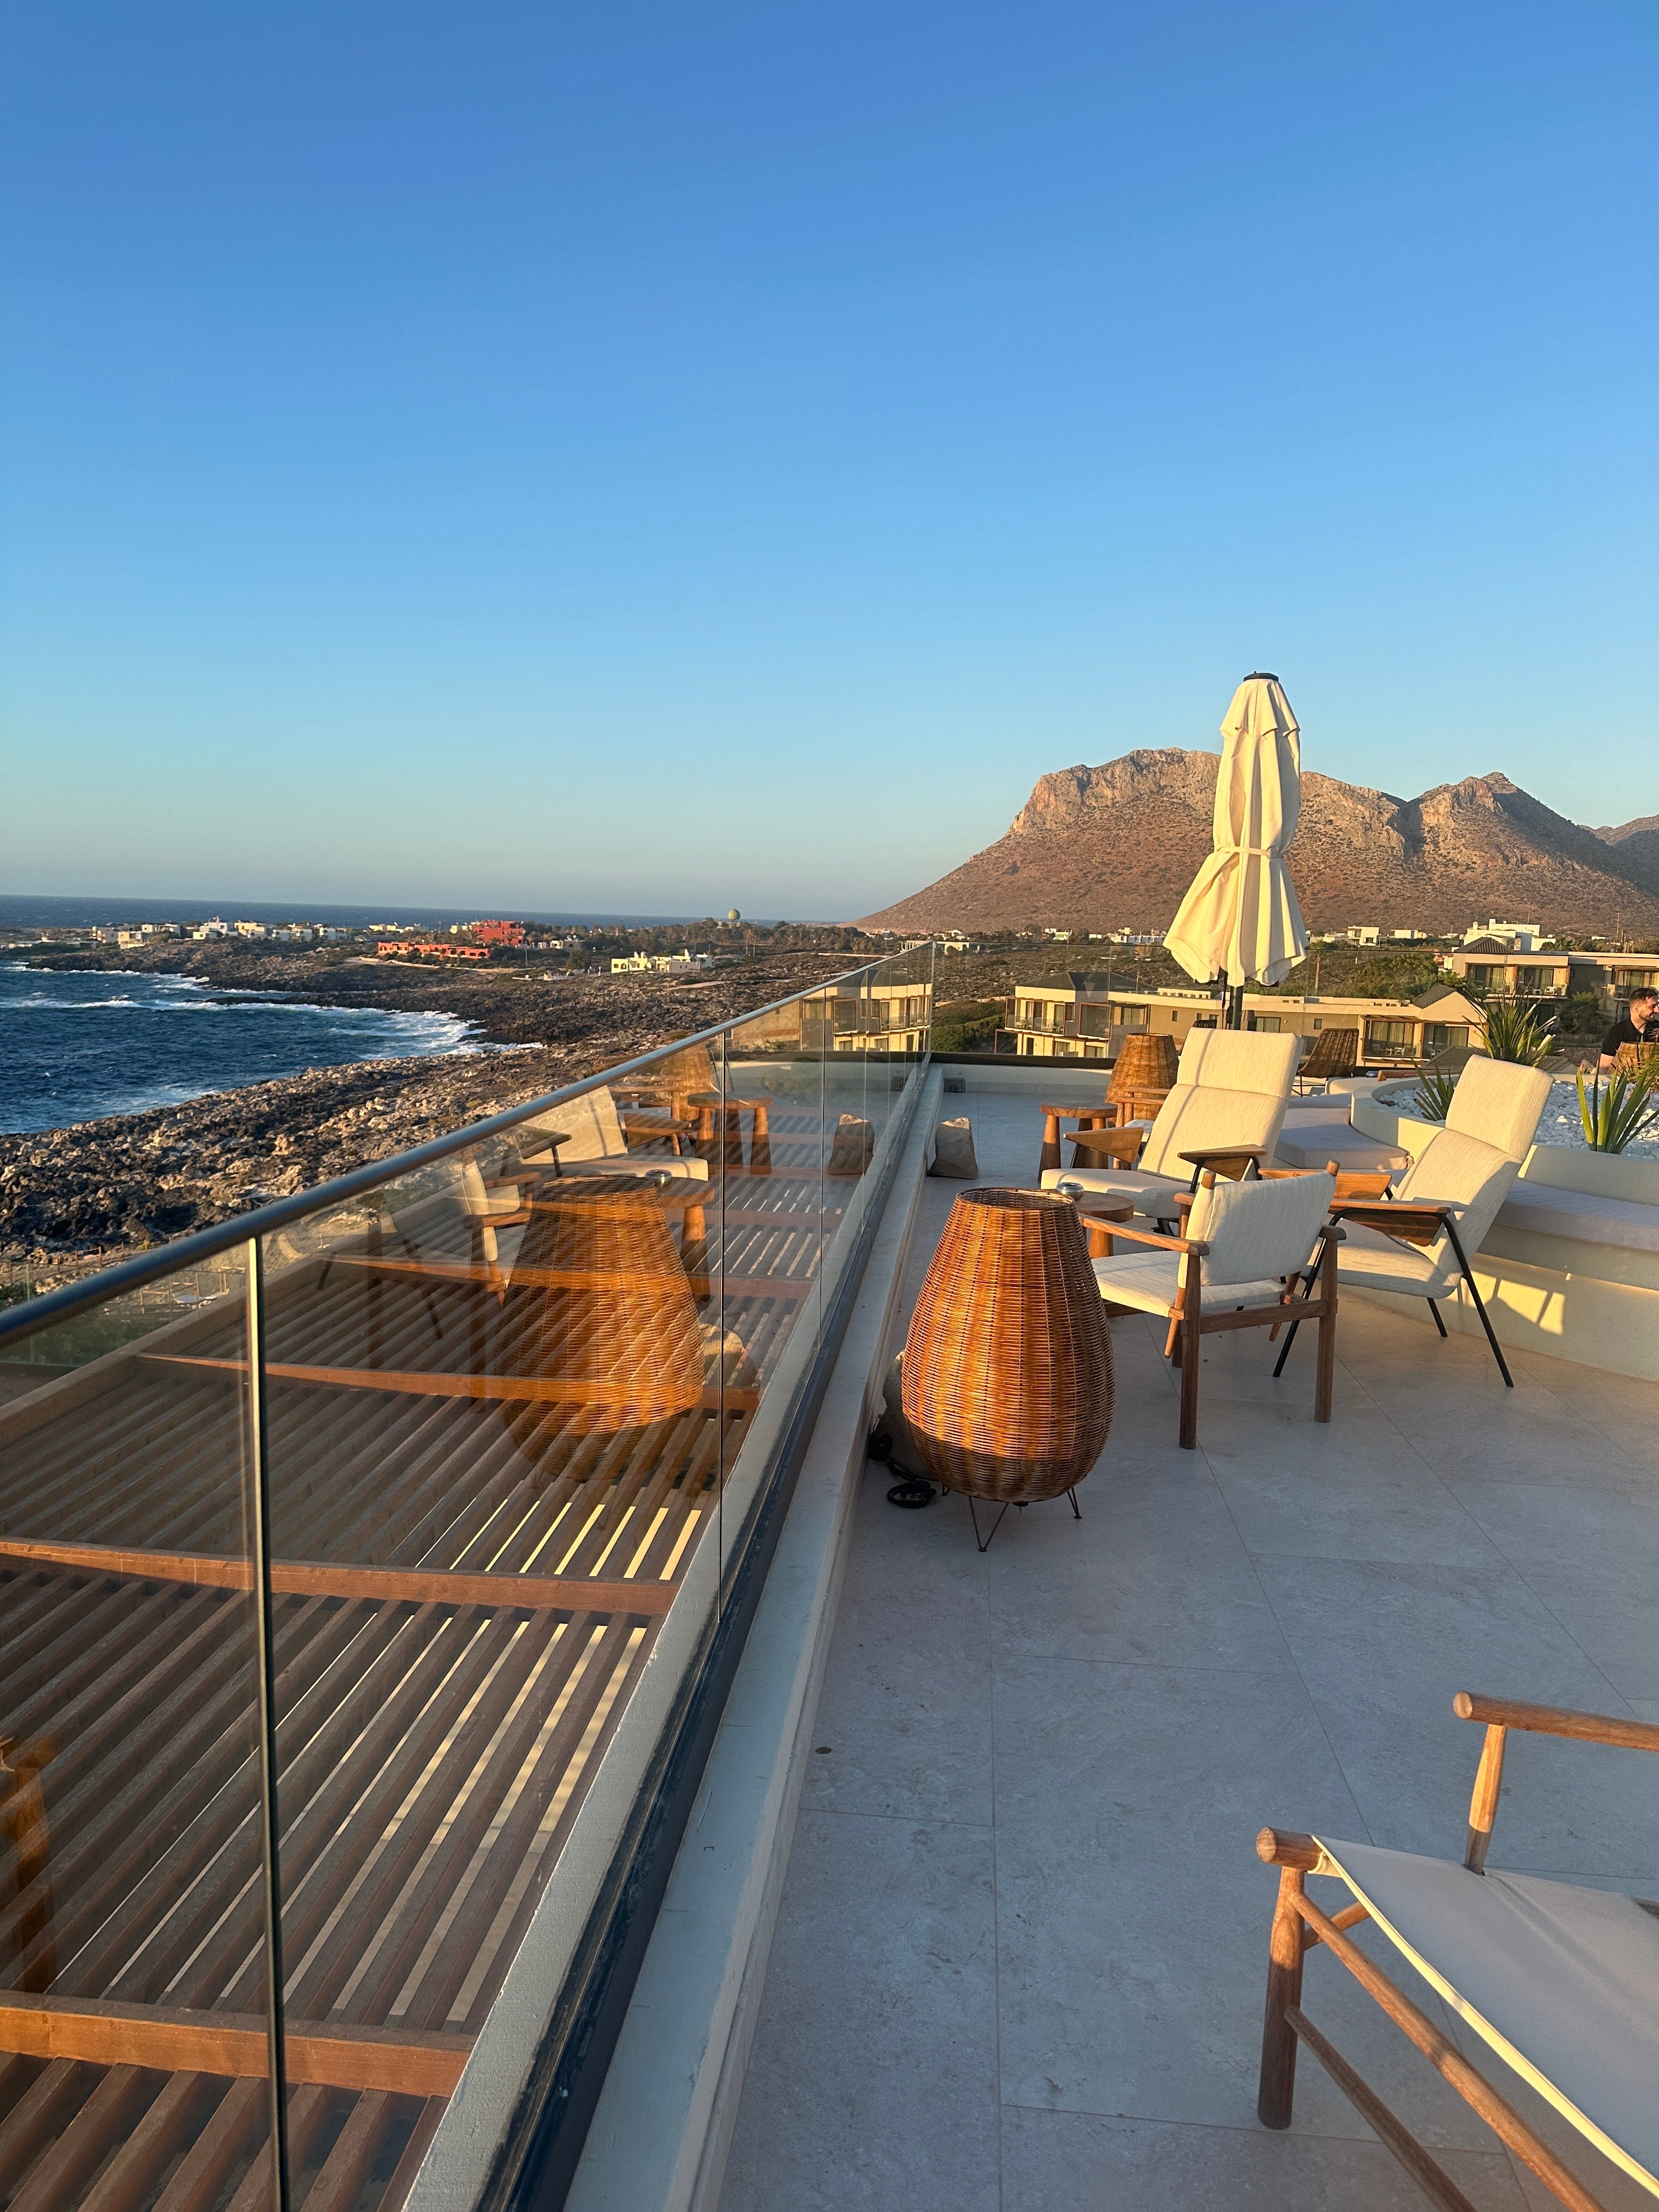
pixel 1637 844
pixel 1114 847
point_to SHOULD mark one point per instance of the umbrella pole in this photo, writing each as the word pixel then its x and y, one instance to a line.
pixel 1235 1006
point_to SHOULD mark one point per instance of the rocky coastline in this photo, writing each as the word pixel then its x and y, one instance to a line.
pixel 100 1190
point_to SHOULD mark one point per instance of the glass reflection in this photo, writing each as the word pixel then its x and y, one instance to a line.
pixel 131 1836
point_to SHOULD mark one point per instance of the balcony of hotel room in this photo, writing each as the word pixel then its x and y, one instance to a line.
pixel 1090 1022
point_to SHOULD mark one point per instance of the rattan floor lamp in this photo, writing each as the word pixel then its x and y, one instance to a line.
pixel 1008 1383
pixel 599 1317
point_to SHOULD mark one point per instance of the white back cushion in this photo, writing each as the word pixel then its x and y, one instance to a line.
pixel 1239 1060
pixel 590 1122
pixel 1256 1229
pixel 1193 1116
pixel 1231 1088
pixel 1463 1172
pixel 1500 1104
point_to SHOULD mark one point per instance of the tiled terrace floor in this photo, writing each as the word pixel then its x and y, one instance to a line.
pixel 1020 1958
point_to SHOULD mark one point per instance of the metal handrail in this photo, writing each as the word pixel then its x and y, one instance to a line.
pixel 35 1314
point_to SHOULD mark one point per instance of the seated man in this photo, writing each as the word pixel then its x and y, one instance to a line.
pixel 1640 1025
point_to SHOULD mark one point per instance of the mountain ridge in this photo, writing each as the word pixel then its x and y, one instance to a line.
pixel 1115 846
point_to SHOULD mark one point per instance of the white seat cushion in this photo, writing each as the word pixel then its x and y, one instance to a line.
pixel 1149 1281
pixel 1367 1261
pixel 1562 1983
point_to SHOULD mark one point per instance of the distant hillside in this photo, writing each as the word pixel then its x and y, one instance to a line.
pixel 1637 845
pixel 1114 847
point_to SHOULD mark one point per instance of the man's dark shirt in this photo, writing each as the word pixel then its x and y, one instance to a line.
pixel 1624 1031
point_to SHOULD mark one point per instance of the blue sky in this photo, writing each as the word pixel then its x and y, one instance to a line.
pixel 672 457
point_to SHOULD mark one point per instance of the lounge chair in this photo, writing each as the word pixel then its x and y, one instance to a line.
pixel 1225 1112
pixel 1561 1982
pixel 1419 1243
pixel 1254 1253
pixel 1336 1053
pixel 588 1130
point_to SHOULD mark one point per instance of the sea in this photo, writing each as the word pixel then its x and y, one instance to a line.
pixel 76 1047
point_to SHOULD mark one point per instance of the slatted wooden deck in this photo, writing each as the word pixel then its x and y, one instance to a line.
pixel 459 1616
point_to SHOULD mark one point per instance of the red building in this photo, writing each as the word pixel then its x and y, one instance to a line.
pixel 498 932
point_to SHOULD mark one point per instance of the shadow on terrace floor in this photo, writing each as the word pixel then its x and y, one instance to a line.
pixel 1020 1958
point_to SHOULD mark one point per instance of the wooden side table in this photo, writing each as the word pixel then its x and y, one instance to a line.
pixel 715 1105
pixel 1085 1116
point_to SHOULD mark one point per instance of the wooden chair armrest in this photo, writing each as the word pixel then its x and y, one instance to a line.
pixel 1498 1715
pixel 1361 1183
pixel 526 1166
pixel 1116 1143
pixel 1557 1720
pixel 1208 1156
pixel 1153 1237
pixel 1290 1847
pixel 1412 1223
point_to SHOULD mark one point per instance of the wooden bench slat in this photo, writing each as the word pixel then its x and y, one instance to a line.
pixel 167 2040
pixel 318 1578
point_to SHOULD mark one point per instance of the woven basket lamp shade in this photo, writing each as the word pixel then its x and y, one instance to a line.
pixel 1144 1063
pixel 1008 1381
pixel 599 1311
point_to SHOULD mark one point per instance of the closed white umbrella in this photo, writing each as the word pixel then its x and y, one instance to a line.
pixel 1240 919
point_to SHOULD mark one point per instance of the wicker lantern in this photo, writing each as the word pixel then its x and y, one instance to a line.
pixel 1144 1062
pixel 599 1313
pixel 1008 1381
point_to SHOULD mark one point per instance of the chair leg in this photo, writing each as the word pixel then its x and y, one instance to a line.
pixel 1480 1305
pixel 1497 1352
pixel 1325 1381
pixel 1190 1346
pixel 1438 1323
pixel 1277 2091
pixel 1289 1338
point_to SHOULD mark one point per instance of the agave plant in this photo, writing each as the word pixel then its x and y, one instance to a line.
pixel 1618 1111
pixel 1518 1033
pixel 1435 1086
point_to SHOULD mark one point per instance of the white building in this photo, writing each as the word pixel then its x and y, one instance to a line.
pixel 1520 936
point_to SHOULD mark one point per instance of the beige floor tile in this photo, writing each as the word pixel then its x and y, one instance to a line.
pixel 1068 2161
pixel 873 2081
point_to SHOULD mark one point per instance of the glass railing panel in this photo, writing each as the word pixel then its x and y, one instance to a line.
pixel 520 1406
pixel 132 1831
pixel 493 1415
pixel 767 1302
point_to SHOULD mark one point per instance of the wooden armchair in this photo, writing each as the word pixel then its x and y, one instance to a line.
pixel 1561 1982
pixel 1243 1263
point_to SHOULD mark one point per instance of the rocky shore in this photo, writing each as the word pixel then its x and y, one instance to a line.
pixel 107 1187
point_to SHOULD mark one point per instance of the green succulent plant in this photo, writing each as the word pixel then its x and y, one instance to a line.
pixel 1435 1086
pixel 1518 1033
pixel 1617 1110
